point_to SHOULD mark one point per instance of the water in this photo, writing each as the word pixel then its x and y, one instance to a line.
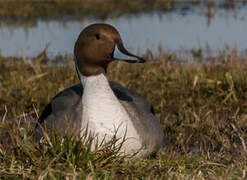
pixel 174 31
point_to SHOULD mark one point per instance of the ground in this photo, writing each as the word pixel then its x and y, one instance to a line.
pixel 202 108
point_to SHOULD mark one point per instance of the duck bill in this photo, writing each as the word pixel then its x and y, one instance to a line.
pixel 122 54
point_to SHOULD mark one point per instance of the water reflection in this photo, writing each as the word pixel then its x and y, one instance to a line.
pixel 140 32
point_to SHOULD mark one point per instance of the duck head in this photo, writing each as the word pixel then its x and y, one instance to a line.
pixel 97 46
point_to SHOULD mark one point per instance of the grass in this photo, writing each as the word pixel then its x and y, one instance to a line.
pixel 202 108
pixel 30 9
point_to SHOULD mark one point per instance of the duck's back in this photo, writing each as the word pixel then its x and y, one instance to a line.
pixel 65 111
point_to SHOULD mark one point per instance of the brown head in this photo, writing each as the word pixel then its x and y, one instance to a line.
pixel 96 47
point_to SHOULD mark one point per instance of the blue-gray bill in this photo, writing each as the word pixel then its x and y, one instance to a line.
pixel 122 54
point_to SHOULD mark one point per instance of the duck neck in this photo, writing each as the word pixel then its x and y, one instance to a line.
pixel 101 108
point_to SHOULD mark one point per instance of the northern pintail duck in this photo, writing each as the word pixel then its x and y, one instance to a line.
pixel 102 107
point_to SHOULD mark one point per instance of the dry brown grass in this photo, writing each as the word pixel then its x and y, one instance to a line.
pixel 202 108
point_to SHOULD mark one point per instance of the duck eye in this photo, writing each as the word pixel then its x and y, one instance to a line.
pixel 97 36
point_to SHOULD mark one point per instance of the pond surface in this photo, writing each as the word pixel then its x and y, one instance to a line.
pixel 174 31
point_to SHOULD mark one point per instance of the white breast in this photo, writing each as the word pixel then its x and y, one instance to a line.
pixel 104 115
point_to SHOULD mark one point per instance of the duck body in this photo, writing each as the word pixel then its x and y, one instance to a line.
pixel 65 110
pixel 105 110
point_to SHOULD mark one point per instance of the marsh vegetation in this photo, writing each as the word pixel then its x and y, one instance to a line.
pixel 202 108
pixel 33 9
